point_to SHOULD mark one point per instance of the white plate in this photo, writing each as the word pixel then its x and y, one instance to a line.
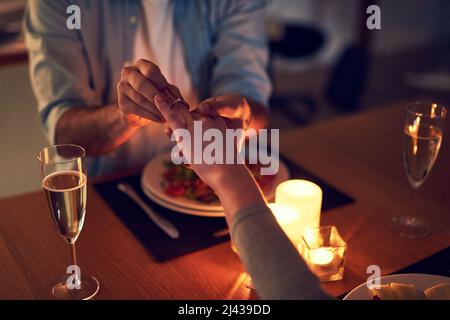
pixel 173 207
pixel 421 281
pixel 151 183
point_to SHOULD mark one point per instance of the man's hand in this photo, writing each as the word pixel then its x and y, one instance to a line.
pixel 138 85
pixel 112 125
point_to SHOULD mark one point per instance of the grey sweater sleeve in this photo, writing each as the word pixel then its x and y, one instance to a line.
pixel 275 266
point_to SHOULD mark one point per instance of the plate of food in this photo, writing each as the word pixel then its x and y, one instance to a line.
pixel 171 206
pixel 412 286
pixel 178 188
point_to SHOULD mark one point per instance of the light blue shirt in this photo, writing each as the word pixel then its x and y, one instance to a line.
pixel 225 51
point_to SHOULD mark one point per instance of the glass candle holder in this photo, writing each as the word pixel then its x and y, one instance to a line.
pixel 324 252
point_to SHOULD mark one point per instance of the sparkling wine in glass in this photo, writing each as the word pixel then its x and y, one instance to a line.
pixel 64 181
pixel 423 132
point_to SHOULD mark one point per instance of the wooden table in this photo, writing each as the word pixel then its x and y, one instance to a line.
pixel 361 155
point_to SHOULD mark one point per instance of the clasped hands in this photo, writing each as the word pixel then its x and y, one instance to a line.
pixel 144 95
pixel 141 82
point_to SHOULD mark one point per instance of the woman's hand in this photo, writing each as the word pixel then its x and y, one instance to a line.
pixel 178 117
pixel 138 85
pixel 233 183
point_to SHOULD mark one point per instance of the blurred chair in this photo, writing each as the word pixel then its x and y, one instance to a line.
pixel 297 42
pixel 348 78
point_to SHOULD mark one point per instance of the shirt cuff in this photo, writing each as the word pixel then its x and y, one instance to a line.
pixel 52 120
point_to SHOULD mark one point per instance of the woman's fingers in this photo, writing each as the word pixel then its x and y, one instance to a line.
pixel 183 111
pixel 173 118
pixel 196 116
pixel 168 131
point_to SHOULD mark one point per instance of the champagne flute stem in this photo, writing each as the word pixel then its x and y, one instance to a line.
pixel 414 206
pixel 72 253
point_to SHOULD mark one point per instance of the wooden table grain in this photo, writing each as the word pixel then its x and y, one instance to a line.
pixel 360 154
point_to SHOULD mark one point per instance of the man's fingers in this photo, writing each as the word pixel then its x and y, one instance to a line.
pixel 174 91
pixel 140 83
pixel 207 108
pixel 234 123
pixel 230 106
pixel 139 99
pixel 220 123
pixel 230 121
pixel 152 72
pixel 131 112
pixel 214 107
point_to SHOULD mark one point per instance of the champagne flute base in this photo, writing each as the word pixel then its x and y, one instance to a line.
pixel 411 227
pixel 89 287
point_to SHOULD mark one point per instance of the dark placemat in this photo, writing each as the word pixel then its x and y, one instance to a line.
pixel 437 264
pixel 332 197
pixel 196 232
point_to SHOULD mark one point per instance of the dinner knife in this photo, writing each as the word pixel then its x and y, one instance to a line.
pixel 162 223
pixel 221 233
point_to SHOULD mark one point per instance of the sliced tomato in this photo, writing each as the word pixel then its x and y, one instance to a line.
pixel 170 173
pixel 175 190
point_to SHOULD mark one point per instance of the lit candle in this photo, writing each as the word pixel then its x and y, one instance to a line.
pixel 324 251
pixel 321 257
pixel 290 221
pixel 303 195
pixel 323 263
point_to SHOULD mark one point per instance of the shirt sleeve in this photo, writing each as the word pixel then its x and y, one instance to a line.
pixel 275 266
pixel 241 51
pixel 58 69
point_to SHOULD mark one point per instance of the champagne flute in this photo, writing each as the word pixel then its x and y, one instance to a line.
pixel 423 132
pixel 64 181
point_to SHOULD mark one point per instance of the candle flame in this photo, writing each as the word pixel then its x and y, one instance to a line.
pixel 322 256
pixel 433 110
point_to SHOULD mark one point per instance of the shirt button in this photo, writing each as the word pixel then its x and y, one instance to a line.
pixel 132 20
